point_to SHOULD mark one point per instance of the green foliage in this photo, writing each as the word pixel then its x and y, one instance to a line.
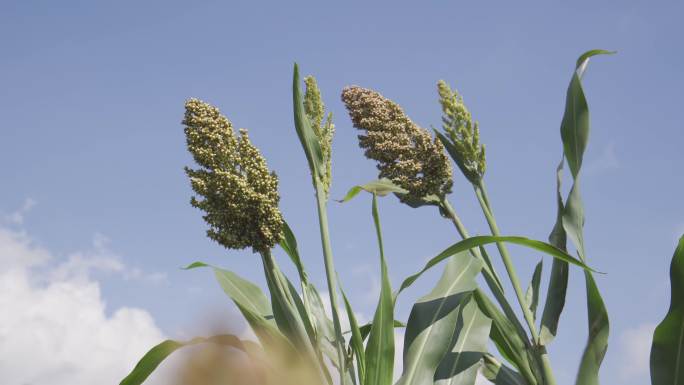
pixel 667 351
pixel 450 330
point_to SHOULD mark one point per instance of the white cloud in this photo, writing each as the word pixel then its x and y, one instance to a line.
pixel 54 328
pixel 635 349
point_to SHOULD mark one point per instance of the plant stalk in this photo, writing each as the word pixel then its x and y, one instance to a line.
pixel 483 199
pixel 330 275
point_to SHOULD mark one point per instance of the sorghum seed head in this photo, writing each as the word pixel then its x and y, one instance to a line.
pixel 463 133
pixel 234 187
pixel 406 153
pixel 315 111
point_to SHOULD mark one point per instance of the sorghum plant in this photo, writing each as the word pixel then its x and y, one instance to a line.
pixel 449 329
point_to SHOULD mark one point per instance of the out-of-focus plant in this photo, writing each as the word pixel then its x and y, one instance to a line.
pixel 449 329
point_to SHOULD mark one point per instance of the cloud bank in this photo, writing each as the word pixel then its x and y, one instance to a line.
pixel 54 327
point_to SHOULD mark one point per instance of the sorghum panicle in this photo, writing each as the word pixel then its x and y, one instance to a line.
pixel 406 153
pixel 315 111
pixel 463 132
pixel 235 188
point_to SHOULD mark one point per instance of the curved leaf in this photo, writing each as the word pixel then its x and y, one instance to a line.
pixel 244 293
pixel 482 240
pixel 434 318
pixel 558 282
pixel 155 356
pixel 356 342
pixel 289 244
pixel 380 187
pixel 253 305
pixel 380 348
pixel 575 124
pixel 667 351
pixel 575 134
pixel 365 329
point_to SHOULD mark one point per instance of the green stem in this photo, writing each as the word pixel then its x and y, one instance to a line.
pixel 482 197
pixel 330 275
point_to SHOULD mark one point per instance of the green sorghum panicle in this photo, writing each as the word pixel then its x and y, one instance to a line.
pixel 406 153
pixel 235 188
pixel 463 132
pixel 315 111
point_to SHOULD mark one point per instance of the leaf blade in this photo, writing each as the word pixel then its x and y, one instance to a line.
pixel 155 356
pixel 667 350
pixel 380 347
pixel 433 319
pixel 482 240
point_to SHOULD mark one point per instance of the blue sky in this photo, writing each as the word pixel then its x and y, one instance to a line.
pixel 92 98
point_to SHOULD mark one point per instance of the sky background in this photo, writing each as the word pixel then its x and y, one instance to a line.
pixel 95 218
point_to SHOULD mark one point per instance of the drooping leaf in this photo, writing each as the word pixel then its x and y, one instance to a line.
pixel 380 347
pixel 482 240
pixel 253 305
pixel 380 187
pixel 434 318
pixel 667 351
pixel 155 356
pixel 365 329
pixel 289 244
pixel 241 291
pixel 575 123
pixel 469 344
pixel 558 282
pixel 532 293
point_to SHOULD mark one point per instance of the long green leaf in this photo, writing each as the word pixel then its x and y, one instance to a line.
pixel 667 351
pixel 597 342
pixel 380 348
pixel 558 282
pixel 461 364
pixel 575 135
pixel 482 240
pixel 575 124
pixel 155 356
pixel 433 320
pixel 244 293
pixel 356 341
pixel 253 305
